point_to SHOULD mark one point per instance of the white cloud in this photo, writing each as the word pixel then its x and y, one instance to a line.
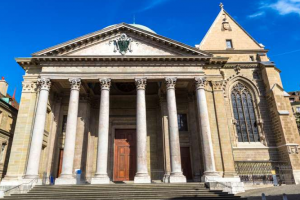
pixel 152 4
pixel 258 14
pixel 284 7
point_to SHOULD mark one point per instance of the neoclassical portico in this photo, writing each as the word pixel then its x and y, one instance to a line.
pixel 101 174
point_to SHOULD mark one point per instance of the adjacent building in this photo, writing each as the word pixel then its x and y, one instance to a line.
pixel 127 104
pixel 8 115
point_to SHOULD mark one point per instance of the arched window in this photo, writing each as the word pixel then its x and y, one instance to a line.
pixel 244 114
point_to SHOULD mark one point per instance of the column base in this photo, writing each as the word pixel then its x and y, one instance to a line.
pixel 177 178
pixel 100 179
pixel 142 178
pixel 65 180
pixel 210 176
pixel 166 178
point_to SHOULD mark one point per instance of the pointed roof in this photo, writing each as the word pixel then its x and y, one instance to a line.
pixel 216 36
pixel 95 37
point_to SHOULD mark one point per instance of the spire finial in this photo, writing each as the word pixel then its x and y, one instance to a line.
pixel 221 5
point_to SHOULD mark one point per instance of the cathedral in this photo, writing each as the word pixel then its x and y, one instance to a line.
pixel 125 104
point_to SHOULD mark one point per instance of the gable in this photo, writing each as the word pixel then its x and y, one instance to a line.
pixel 144 43
pixel 216 37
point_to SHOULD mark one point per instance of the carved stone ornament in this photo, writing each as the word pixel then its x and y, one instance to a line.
pixel 29 87
pixel 170 82
pixel 200 82
pixel 44 83
pixel 217 85
pixel 225 24
pixel 75 83
pixel 292 148
pixel 122 44
pixel 105 83
pixel 237 69
pixel 140 83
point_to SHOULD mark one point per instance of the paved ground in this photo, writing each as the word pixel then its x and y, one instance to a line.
pixel 274 193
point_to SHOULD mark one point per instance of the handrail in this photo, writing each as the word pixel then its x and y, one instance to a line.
pixel 18 186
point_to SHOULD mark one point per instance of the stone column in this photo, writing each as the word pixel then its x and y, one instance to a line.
pixel 176 170
pixel 166 141
pixel 66 176
pixel 209 162
pixel 38 130
pixel 142 175
pixel 101 176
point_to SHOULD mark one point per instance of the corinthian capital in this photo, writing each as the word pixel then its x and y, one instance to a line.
pixel 141 83
pixel 75 83
pixel 44 83
pixel 170 82
pixel 200 82
pixel 105 83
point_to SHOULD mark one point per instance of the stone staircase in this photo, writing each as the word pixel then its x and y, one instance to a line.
pixel 125 191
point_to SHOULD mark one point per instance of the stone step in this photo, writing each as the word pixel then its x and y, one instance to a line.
pixel 124 191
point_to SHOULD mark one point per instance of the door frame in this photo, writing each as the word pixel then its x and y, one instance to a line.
pixel 113 127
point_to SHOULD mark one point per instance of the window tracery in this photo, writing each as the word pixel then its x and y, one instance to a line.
pixel 244 114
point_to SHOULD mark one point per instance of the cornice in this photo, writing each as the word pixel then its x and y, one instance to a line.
pixel 191 59
pixel 238 51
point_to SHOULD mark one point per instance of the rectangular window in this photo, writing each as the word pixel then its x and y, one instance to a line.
pixel 182 122
pixel 292 100
pixel 229 44
pixel 298 110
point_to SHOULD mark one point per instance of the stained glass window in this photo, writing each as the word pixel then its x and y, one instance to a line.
pixel 244 114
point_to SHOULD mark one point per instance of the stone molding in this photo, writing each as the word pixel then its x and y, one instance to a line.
pixel 105 83
pixel 170 82
pixel 200 82
pixel 141 83
pixel 75 83
pixel 44 83
pixel 29 87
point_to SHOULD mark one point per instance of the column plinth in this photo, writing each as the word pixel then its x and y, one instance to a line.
pixel 38 130
pixel 67 176
pixel 176 175
pixel 210 173
pixel 142 175
pixel 101 176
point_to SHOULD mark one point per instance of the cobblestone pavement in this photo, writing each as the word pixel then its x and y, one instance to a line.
pixel 274 193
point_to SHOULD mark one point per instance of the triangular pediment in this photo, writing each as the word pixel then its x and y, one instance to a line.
pixel 103 43
pixel 226 28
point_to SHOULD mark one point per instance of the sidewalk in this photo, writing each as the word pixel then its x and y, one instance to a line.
pixel 273 193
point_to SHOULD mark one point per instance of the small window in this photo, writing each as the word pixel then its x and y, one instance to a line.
pixel 64 124
pixel 292 100
pixel 252 58
pixel 229 44
pixel 298 110
pixel 182 122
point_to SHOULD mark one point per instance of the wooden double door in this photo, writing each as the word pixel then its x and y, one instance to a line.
pixel 125 155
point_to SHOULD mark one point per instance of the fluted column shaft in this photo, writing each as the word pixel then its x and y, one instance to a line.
pixel 38 129
pixel 209 161
pixel 176 169
pixel 101 176
pixel 142 175
pixel 66 176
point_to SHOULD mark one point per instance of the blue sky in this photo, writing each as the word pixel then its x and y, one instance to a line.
pixel 32 25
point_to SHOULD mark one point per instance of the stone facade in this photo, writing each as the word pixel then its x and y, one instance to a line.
pixel 77 96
